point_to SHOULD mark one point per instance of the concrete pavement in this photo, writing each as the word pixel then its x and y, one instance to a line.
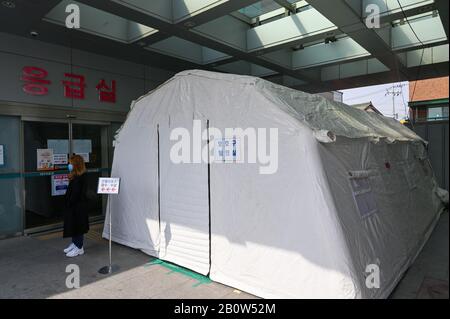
pixel 35 267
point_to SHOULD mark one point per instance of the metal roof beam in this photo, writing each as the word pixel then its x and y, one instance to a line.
pixel 216 9
pixel 286 4
pixel 190 14
pixel 32 12
pixel 309 26
pixel 350 22
pixel 187 32
pixel 442 6
pixel 426 72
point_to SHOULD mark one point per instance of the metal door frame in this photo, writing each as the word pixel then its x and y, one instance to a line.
pixel 70 120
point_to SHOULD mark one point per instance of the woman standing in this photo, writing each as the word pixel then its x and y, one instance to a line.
pixel 76 217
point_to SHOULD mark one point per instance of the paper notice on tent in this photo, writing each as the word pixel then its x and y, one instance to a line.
pixel 2 155
pixel 45 159
pixel 60 183
pixel 227 150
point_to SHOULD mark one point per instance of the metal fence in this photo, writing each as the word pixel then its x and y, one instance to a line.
pixel 436 133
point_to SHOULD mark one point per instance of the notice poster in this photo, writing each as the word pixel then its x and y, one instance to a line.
pixel 82 146
pixel 2 155
pixel 60 183
pixel 60 159
pixel 45 159
pixel 59 146
pixel 227 150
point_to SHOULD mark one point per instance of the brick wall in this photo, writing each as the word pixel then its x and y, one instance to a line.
pixel 430 89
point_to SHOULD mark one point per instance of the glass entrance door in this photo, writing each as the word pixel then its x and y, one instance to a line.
pixel 47 149
pixel 90 141
pixel 43 206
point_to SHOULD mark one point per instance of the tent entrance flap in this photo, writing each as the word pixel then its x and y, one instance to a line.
pixel 184 210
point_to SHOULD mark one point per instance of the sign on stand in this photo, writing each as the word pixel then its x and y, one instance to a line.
pixel 109 186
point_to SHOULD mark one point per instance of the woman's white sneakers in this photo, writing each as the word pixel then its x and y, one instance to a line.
pixel 71 246
pixel 75 252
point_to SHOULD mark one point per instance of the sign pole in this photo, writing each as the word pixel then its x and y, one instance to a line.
pixel 106 270
pixel 110 235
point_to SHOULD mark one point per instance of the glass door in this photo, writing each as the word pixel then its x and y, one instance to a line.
pixel 11 195
pixel 90 141
pixel 47 149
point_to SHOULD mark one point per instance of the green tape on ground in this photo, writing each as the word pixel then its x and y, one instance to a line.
pixel 181 270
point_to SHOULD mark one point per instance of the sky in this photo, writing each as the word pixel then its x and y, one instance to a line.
pixel 377 95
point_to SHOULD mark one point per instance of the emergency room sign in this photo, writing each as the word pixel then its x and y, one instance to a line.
pixel 36 83
pixel 108 185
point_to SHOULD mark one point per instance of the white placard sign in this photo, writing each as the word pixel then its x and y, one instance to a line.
pixel 59 146
pixel 60 183
pixel 82 146
pixel 2 155
pixel 109 185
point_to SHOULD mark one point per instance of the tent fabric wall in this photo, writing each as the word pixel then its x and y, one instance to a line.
pixel 407 206
pixel 293 234
pixel 184 206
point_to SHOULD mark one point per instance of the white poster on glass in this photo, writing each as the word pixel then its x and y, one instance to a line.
pixel 60 183
pixel 82 146
pixel 60 159
pixel 59 146
pixel 45 159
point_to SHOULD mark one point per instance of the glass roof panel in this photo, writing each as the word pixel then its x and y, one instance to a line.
pixel 186 50
pixel 101 23
pixel 266 9
pixel 259 8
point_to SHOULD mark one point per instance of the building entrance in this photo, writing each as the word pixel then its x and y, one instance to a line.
pixel 48 146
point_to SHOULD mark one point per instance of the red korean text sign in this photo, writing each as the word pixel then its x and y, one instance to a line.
pixel 36 83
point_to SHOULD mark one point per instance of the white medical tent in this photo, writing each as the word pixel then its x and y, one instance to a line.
pixel 351 191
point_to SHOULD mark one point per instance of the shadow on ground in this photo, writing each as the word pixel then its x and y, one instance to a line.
pixel 35 267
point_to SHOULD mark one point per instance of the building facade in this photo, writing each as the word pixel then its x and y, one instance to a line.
pixel 429 100
pixel 429 119
pixel 368 107
pixel 56 101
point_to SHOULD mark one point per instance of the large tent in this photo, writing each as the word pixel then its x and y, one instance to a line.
pixel 348 192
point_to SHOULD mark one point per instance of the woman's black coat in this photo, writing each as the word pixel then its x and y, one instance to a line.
pixel 76 217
